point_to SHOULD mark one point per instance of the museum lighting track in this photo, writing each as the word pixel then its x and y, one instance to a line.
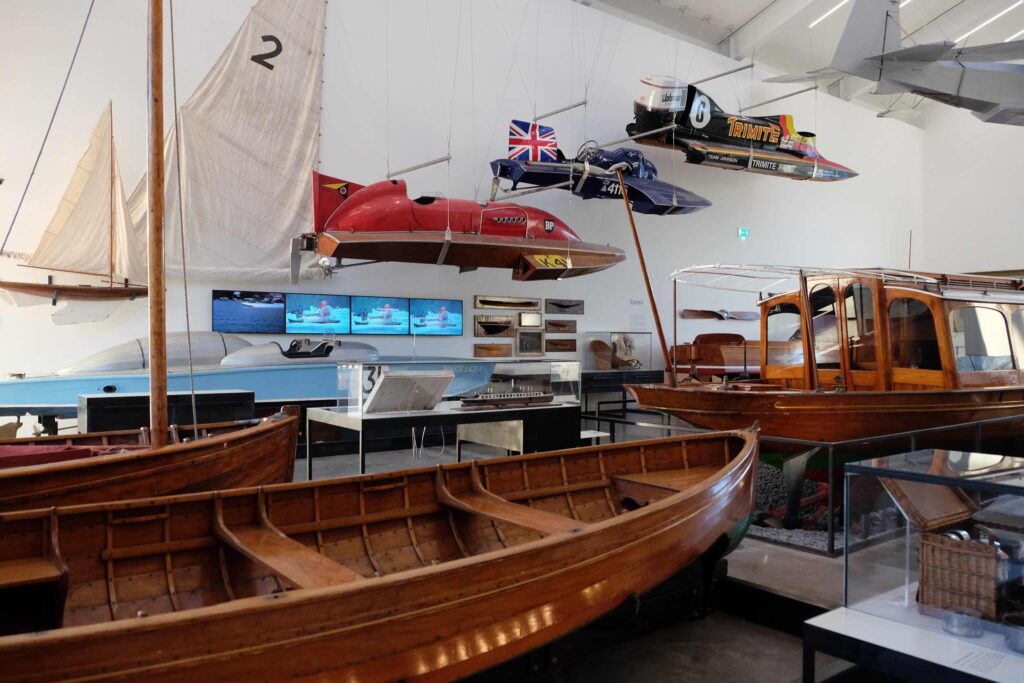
pixel 826 15
pixel 990 20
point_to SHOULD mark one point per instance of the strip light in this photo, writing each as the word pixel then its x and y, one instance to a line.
pixel 827 14
pixel 905 3
pixel 991 19
pixel 1015 35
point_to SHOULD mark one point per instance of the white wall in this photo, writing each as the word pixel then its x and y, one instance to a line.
pixel 864 221
pixel 973 207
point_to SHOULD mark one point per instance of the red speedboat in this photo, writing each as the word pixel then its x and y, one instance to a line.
pixel 380 223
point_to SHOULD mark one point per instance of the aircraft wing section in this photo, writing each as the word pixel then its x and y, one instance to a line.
pixel 998 52
pixel 656 197
pixel 930 52
pixel 806 76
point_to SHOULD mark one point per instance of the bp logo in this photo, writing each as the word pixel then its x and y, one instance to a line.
pixel 549 225
pixel 700 111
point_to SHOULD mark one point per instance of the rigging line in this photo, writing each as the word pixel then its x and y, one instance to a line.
pixel 181 226
pixel 472 99
pixel 49 126
pixel 451 113
pixel 433 43
pixel 589 79
pixel 387 88
pixel 515 50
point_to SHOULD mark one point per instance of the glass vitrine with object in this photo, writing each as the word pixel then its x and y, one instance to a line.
pixel 617 350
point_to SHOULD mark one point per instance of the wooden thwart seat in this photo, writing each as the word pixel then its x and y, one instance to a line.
pixel 657 485
pixel 28 570
pixel 295 563
pixel 486 504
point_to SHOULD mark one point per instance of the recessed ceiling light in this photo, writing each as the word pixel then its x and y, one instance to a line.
pixel 826 15
pixel 991 19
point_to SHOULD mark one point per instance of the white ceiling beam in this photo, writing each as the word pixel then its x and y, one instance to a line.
pixel 741 43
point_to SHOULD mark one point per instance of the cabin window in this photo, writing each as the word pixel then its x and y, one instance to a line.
pixel 915 343
pixel 784 339
pixel 860 327
pixel 826 327
pixel 981 340
pixel 1017 324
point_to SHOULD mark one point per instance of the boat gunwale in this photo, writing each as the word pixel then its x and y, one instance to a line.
pixel 219 440
pixel 744 458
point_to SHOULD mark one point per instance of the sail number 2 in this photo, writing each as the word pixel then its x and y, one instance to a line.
pixel 263 59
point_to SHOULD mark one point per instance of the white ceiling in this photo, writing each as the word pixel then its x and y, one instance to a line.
pixel 778 36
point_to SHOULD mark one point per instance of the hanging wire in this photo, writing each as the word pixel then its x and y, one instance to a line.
pixel 451 115
pixel 181 227
pixel 49 127
pixel 387 88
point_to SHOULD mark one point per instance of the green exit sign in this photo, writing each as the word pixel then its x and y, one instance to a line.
pixel 743 233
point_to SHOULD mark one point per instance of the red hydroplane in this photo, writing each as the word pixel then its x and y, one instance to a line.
pixel 379 222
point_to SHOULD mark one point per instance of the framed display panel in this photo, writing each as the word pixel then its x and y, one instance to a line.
pixel 560 345
pixel 617 350
pixel 563 306
pixel 380 315
pixel 530 320
pixel 492 350
pixel 560 326
pixel 245 312
pixel 494 326
pixel 317 314
pixel 437 317
pixel 529 342
pixel 509 303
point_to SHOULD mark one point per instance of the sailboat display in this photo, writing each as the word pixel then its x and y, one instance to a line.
pixel 89 234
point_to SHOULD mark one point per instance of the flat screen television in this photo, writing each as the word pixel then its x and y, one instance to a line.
pixel 436 316
pixel 317 314
pixel 248 312
pixel 380 315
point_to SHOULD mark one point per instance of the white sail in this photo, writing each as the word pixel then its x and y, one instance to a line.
pixel 91 219
pixel 249 139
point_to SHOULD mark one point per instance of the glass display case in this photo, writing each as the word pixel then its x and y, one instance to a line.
pixel 617 350
pixel 393 386
pixel 934 540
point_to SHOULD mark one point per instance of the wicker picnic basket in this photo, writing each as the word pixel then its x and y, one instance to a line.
pixel 959 575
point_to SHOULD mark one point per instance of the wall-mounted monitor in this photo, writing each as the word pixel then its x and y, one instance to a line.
pixel 317 314
pixel 241 312
pixel 380 315
pixel 436 316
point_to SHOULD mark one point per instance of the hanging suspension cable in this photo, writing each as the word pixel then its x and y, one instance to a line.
pixel 49 127
pixel 181 227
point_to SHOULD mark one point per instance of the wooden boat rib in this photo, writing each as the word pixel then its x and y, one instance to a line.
pixel 423 574
pixel 107 466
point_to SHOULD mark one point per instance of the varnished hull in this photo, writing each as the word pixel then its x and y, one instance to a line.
pixel 74 292
pixel 529 259
pixel 263 453
pixel 829 416
pixel 417 611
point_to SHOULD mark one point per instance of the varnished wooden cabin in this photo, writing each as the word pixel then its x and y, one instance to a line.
pixel 422 574
pixel 866 352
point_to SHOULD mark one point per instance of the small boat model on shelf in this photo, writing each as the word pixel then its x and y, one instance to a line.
pixel 847 354
pixel 506 399
pixel 379 222
pixel 105 466
pixel 421 574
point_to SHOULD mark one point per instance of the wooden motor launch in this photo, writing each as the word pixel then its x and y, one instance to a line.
pixel 421 574
pixel 864 352
pixel 106 466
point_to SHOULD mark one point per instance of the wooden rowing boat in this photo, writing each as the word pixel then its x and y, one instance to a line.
pixel 107 466
pixel 422 574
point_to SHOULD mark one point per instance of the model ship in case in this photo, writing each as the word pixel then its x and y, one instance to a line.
pixel 856 353
pixel 420 574
pixel 514 385
pixel 379 222
pixel 670 113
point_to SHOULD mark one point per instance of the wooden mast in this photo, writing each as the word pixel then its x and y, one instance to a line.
pixel 157 292
pixel 110 241
pixel 647 280
pixel 811 364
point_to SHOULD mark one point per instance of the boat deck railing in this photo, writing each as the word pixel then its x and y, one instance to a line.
pixel 794 465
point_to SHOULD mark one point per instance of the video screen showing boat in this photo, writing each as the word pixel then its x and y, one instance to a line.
pixel 236 312
pixel 436 316
pixel 317 314
pixel 380 315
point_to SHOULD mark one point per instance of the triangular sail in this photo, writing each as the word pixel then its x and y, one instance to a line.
pixel 249 139
pixel 89 232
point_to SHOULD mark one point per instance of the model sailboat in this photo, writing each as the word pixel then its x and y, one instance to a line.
pixel 90 234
